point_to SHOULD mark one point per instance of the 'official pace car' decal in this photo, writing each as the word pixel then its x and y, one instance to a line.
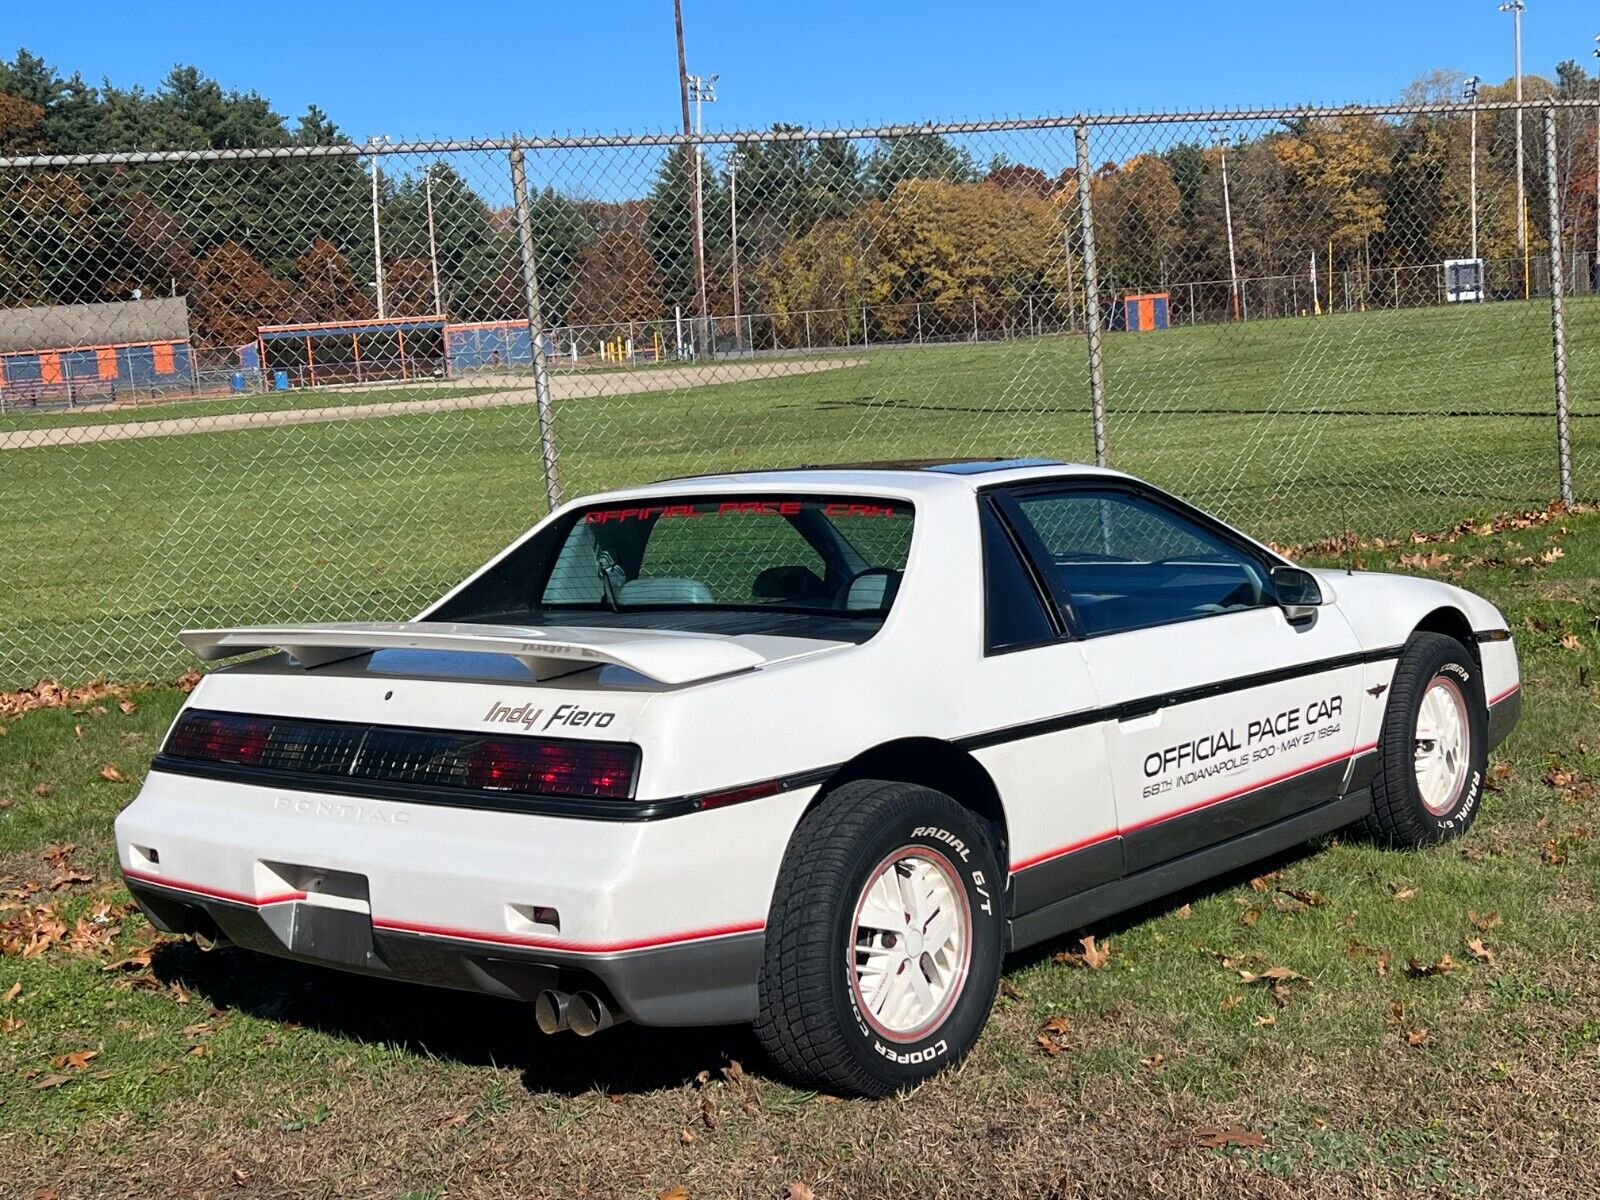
pixel 1236 747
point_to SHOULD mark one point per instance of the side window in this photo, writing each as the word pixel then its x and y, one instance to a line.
pixel 1013 614
pixel 1129 563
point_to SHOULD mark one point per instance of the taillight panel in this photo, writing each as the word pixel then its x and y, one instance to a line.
pixel 394 756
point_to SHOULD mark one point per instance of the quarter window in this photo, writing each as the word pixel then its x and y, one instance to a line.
pixel 1014 616
pixel 1129 563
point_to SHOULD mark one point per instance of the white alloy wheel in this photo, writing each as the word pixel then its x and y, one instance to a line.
pixel 1443 745
pixel 912 943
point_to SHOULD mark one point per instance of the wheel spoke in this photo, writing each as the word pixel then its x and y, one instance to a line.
pixel 940 927
pixel 910 944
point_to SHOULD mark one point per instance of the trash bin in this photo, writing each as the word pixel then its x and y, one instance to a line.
pixel 238 381
pixel 280 381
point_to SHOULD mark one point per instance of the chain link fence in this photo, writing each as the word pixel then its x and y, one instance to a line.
pixel 317 382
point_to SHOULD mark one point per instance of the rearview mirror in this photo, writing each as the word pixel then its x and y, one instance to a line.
pixel 1298 592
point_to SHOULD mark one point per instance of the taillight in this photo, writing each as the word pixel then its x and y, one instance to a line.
pixel 529 765
pixel 220 737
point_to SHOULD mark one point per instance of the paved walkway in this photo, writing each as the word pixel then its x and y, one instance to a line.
pixel 562 387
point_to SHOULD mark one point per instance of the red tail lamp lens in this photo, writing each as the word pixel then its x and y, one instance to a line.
pixel 598 771
pixel 220 738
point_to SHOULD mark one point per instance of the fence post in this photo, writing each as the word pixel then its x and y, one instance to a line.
pixel 530 290
pixel 1558 321
pixel 1091 299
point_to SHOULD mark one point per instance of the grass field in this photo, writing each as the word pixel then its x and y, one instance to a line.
pixel 1383 1074
pixel 1380 421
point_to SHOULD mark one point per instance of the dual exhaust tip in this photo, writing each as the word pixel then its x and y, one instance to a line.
pixel 584 1013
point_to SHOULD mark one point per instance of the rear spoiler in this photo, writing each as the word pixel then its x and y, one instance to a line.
pixel 663 655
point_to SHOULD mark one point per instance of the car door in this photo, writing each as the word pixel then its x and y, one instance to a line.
pixel 1223 715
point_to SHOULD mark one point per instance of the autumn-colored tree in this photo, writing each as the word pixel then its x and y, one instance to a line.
pixel 1137 215
pixel 234 295
pixel 1338 167
pixel 824 271
pixel 615 278
pixel 408 287
pixel 328 288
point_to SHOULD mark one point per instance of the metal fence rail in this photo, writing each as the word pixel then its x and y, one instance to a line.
pixel 392 357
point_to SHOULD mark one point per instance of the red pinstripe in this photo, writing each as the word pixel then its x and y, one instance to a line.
pixel 216 893
pixel 1512 690
pixel 466 935
pixel 1095 839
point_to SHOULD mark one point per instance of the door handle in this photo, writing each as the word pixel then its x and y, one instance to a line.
pixel 1138 722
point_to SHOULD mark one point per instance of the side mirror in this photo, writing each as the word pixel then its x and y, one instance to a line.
pixel 1298 592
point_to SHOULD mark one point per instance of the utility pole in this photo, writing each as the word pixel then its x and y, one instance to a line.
pixel 1227 215
pixel 694 148
pixel 433 245
pixel 733 223
pixel 377 239
pixel 1471 90
pixel 1594 264
pixel 1515 7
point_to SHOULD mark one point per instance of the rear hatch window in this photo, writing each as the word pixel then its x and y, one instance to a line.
pixel 832 559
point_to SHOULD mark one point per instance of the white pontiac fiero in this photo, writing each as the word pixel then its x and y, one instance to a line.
pixel 812 749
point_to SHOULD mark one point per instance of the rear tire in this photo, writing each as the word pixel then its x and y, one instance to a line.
pixel 1434 746
pixel 884 942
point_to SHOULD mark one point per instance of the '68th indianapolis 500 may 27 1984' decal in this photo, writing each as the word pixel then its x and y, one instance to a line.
pixel 1236 747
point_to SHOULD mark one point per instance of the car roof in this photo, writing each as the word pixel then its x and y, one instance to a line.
pixel 910 475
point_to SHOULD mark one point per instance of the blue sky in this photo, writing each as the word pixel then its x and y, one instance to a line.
pixel 487 67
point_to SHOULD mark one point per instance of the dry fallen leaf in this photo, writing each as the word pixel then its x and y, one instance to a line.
pixel 128 707
pixel 1485 922
pixel 454 1119
pixel 11 993
pixel 111 773
pixel 1420 969
pixel 1185 913
pixel 798 1191
pixel 1416 1037
pixel 1264 1019
pixel 78 1060
pixel 1229 1003
pixel 1552 853
pixel 1154 1062
pixel 1571 641
pixel 240 1178
pixel 1094 956
pixel 1211 1138
pixel 674 1193
pixel 1402 893
pixel 1479 951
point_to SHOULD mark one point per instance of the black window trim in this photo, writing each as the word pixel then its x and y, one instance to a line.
pixel 1007 495
pixel 1030 567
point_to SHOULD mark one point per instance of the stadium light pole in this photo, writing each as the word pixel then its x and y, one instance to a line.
pixel 1471 90
pixel 1227 215
pixel 377 239
pixel 1515 7
pixel 702 90
pixel 733 225
pixel 433 244
pixel 694 147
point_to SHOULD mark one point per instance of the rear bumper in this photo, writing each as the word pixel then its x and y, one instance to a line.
pixel 666 917
pixel 707 981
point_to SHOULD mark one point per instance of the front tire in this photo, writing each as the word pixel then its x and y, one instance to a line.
pixel 884 942
pixel 1434 748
